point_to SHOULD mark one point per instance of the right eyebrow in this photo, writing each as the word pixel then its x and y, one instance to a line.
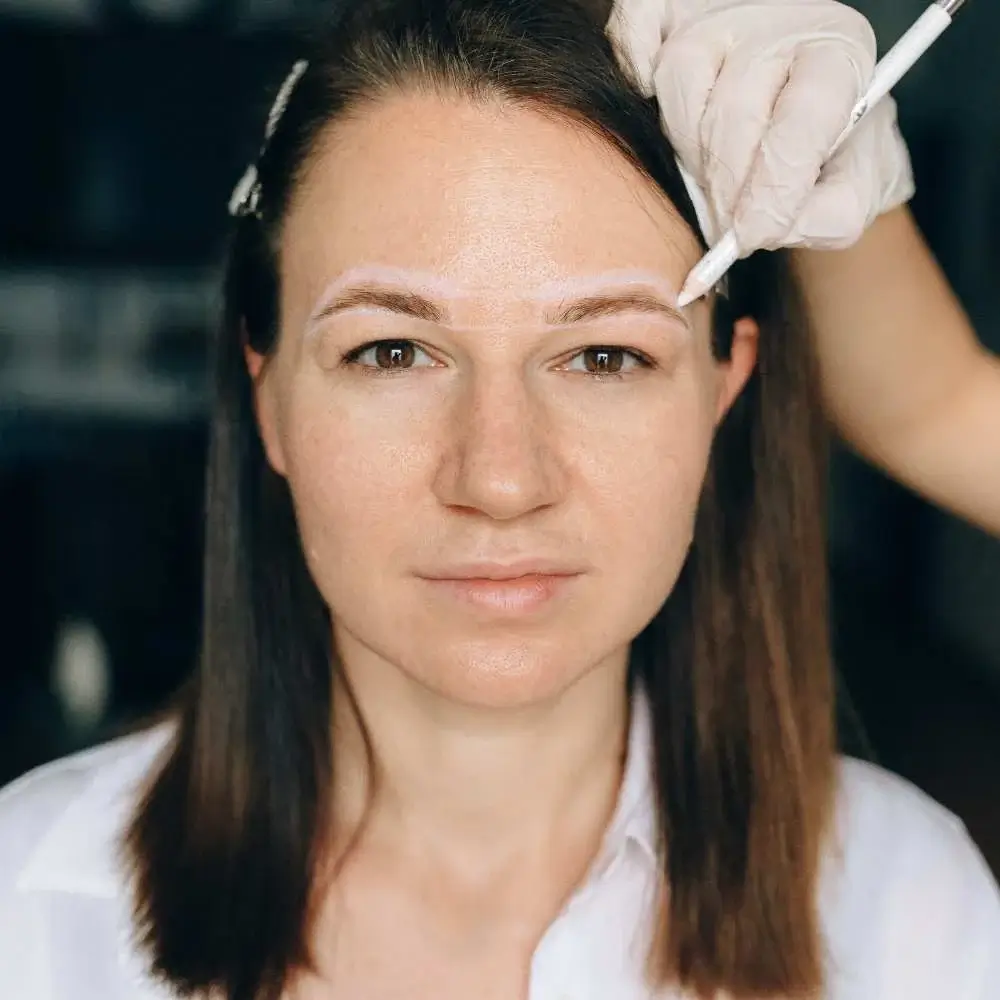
pixel 405 303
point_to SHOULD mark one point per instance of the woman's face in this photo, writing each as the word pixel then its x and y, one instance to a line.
pixel 482 374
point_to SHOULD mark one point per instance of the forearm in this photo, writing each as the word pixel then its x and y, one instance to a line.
pixel 904 377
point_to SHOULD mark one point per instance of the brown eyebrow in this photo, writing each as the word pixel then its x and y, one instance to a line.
pixel 598 306
pixel 379 297
pixel 407 303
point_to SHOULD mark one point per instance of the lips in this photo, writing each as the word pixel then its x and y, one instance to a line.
pixel 505 571
pixel 509 588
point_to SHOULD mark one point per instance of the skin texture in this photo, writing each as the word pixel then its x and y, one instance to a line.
pixel 498 722
pixel 905 378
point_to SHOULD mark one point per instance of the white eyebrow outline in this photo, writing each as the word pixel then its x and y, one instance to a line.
pixel 418 295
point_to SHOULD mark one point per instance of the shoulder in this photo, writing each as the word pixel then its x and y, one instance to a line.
pixel 907 887
pixel 873 800
pixel 72 800
pixel 887 824
pixel 63 895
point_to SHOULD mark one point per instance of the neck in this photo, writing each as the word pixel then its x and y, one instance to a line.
pixel 479 787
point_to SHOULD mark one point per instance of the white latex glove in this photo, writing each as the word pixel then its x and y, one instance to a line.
pixel 753 95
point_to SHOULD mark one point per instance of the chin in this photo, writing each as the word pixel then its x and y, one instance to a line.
pixel 506 674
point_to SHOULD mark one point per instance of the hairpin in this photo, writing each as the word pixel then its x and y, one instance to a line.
pixel 245 199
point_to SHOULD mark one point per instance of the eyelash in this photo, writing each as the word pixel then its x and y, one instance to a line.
pixel 371 371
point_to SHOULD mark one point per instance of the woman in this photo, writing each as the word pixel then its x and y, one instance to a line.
pixel 515 678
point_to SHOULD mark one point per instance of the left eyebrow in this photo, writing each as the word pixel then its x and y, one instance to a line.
pixel 611 304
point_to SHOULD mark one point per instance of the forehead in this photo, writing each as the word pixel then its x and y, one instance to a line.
pixel 489 196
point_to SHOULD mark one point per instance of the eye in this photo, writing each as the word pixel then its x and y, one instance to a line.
pixel 386 356
pixel 606 361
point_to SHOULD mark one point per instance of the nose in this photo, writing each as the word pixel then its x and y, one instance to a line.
pixel 502 454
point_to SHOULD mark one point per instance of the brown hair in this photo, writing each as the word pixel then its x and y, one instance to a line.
pixel 226 845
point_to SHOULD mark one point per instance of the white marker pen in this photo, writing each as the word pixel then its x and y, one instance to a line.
pixel 891 68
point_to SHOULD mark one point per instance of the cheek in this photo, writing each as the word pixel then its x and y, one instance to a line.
pixel 641 479
pixel 649 453
pixel 653 486
pixel 357 475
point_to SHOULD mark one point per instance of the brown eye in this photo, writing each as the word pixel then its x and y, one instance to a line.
pixel 387 356
pixel 613 362
pixel 394 354
pixel 603 360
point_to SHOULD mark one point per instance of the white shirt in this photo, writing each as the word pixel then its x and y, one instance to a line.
pixel 910 910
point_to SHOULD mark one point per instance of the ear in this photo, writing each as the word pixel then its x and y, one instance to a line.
pixel 265 407
pixel 734 372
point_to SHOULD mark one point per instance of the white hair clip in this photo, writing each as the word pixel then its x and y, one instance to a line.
pixel 245 199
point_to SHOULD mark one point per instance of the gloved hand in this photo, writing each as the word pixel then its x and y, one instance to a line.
pixel 753 95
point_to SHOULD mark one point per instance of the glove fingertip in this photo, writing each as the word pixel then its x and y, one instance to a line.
pixel 635 46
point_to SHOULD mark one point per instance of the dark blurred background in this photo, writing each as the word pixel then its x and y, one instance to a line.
pixel 125 124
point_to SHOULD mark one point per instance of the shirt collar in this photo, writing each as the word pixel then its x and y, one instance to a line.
pixel 81 851
pixel 634 819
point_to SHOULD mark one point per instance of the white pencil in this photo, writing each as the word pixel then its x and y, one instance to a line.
pixel 890 70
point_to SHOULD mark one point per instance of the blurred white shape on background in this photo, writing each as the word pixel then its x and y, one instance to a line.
pixel 81 674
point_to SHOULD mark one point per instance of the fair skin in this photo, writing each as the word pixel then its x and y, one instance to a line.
pixel 905 378
pixel 492 250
